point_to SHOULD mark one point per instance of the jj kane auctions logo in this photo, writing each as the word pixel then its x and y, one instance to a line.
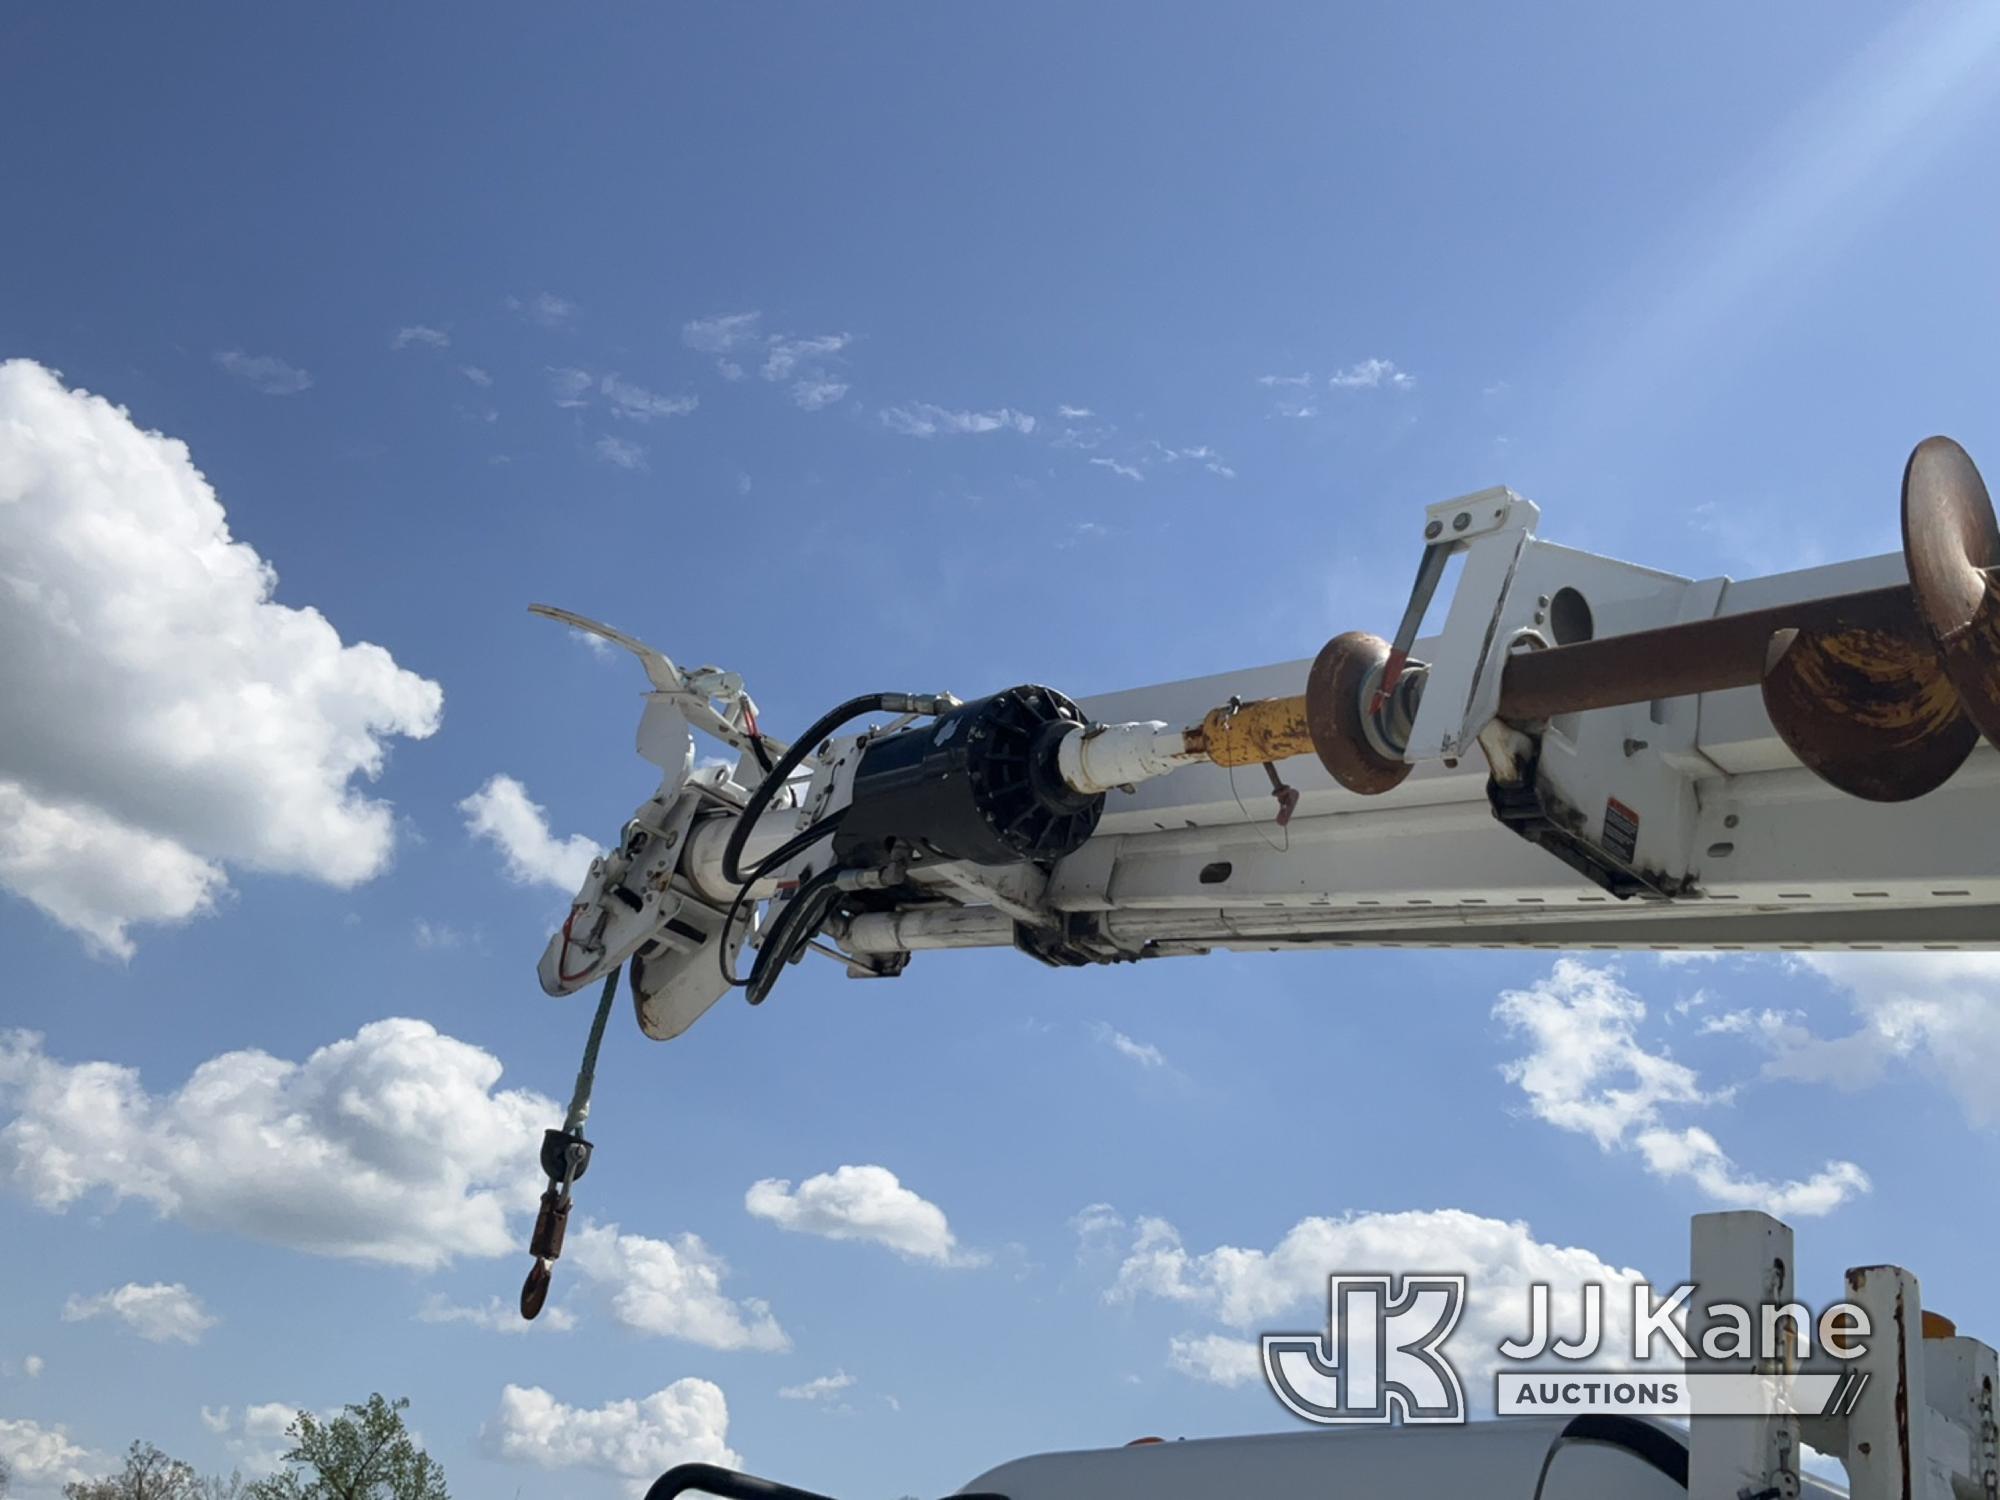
pixel 1381 1357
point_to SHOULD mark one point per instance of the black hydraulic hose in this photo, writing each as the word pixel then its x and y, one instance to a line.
pixel 790 849
pixel 725 1484
pixel 798 924
pixel 867 703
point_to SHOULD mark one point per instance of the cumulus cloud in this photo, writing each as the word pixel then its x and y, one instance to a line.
pixel 641 405
pixel 568 386
pixel 687 1422
pixel 821 1388
pixel 160 1312
pixel 1371 375
pixel 1145 1054
pixel 1123 471
pixel 264 372
pixel 494 1315
pixel 1284 1288
pixel 615 450
pixel 420 333
pixel 861 1203
pixel 501 813
pixel 44 1458
pixel 476 375
pixel 722 334
pixel 393 1145
pixel 545 308
pixel 809 363
pixel 573 389
pixel 256 1440
pixel 783 357
pixel 921 419
pixel 811 395
pixel 162 717
pixel 1074 413
pixel 672 1289
pixel 1587 1071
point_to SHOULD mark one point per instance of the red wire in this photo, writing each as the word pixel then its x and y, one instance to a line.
pixel 562 958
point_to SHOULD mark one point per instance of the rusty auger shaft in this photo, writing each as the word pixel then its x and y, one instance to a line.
pixel 1882 692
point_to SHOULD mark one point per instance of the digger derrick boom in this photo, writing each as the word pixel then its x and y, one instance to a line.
pixel 1587 753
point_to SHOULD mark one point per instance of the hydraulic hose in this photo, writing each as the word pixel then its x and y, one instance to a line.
pixel 804 745
pixel 797 925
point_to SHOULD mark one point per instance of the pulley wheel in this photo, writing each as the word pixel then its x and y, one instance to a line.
pixel 1343 676
pixel 1871 711
pixel 1952 546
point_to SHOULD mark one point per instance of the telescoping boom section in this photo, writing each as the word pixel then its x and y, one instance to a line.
pixel 1587 753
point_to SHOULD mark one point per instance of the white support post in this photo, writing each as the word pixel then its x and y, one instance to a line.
pixel 1960 1375
pixel 1886 1434
pixel 1744 1260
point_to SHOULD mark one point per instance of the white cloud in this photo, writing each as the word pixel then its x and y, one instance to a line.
pixel 614 450
pixel 1074 413
pixel 494 1315
pixel 257 1443
pixel 159 1312
pixel 1123 471
pixel 672 1289
pixel 392 1145
pixel 32 1366
pixel 811 395
pixel 640 404
pixel 165 717
pixel 719 335
pixel 1589 1072
pixel 1204 455
pixel 1281 382
pixel 1255 1291
pixel 476 375
pixel 264 372
pixel 861 1203
pixel 570 387
pixel 545 308
pixel 783 356
pixel 921 419
pixel 1370 375
pixel 1936 1012
pixel 41 1457
pixel 1145 1054
pixel 821 1388
pixel 420 333
pixel 1216 1358
pixel 501 813
pixel 436 935
pixel 687 1422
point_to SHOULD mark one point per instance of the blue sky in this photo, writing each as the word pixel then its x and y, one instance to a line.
pixel 440 302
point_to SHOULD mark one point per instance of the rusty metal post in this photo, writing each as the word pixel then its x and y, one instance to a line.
pixel 1885 1457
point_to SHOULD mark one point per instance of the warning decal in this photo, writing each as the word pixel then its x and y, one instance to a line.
pixel 1621 830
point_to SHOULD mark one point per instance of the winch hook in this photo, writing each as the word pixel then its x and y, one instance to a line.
pixel 565 1157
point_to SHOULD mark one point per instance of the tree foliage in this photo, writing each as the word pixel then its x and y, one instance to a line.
pixel 366 1453
pixel 148 1474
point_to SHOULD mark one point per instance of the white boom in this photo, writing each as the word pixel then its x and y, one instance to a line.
pixel 1588 754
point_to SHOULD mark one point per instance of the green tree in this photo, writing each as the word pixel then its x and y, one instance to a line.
pixel 363 1454
pixel 148 1475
